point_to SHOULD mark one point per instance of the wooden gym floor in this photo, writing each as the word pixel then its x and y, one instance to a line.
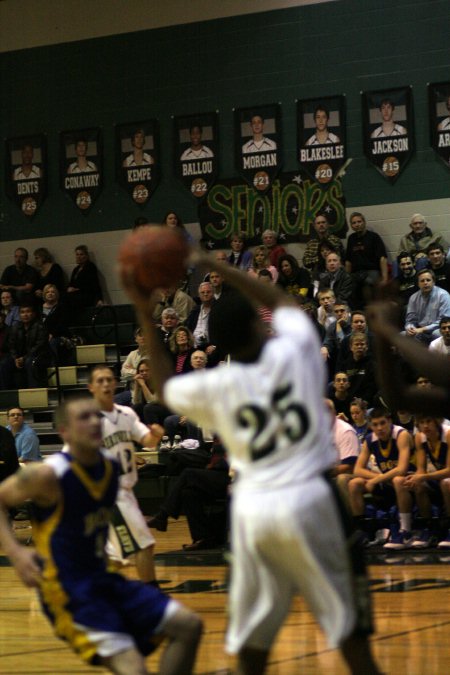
pixel 411 597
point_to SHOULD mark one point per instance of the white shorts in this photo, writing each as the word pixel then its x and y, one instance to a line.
pixel 288 541
pixel 130 533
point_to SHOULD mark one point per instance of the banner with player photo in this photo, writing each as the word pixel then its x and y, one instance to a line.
pixel 137 159
pixel 258 144
pixel 81 162
pixel 388 128
pixel 439 106
pixel 26 172
pixel 196 151
pixel 289 208
pixel 321 147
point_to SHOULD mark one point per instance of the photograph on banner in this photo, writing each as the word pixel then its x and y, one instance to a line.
pixel 26 172
pixel 321 137
pixel 289 208
pixel 196 151
pixel 81 161
pixel 439 106
pixel 258 144
pixel 388 128
pixel 137 159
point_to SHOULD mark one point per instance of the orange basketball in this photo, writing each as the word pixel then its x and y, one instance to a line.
pixel 153 257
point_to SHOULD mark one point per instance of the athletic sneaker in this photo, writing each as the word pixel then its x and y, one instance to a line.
pixel 176 443
pixel 423 540
pixel 398 540
pixel 164 445
pixel 445 543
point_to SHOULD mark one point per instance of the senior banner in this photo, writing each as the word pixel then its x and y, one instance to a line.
pixel 26 172
pixel 388 128
pixel 258 143
pixel 439 106
pixel 288 208
pixel 81 162
pixel 321 146
pixel 138 167
pixel 196 151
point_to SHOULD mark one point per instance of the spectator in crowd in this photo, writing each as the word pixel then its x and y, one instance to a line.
pixel 198 318
pixel 358 324
pixel 325 314
pixel 129 368
pixel 269 239
pixel 365 259
pixel 20 278
pixel 390 447
pixel 406 277
pixel 29 355
pixel 294 279
pixel 321 227
pixel 336 333
pixel 340 397
pixel 176 299
pixel 173 220
pixel 439 265
pixel 442 344
pixel 142 392
pixel 319 268
pixel 359 418
pixel 49 272
pixel 345 441
pixel 9 462
pixel 169 321
pixel 9 309
pixel 336 278
pixel 25 438
pixel 84 286
pixel 261 261
pixel 426 308
pixel 55 319
pixel 417 241
pixel 218 286
pixel 182 346
pixel 360 369
pixel 240 256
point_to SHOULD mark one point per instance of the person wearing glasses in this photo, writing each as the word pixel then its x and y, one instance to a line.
pixel 25 438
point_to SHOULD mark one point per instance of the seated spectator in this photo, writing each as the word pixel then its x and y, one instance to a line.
pixel 442 344
pixel 9 309
pixel 189 494
pixel 406 277
pixel 365 260
pixel 261 261
pixel 325 314
pixel 218 285
pixel 359 418
pixel 169 321
pixel 417 241
pixel 269 239
pixel 321 227
pixel 25 438
pixel 173 220
pixel 360 370
pixel 182 346
pixel 142 392
pixel 358 324
pixel 320 267
pixel 129 368
pixel 340 396
pixel 49 272
pixel 291 277
pixel 9 462
pixel 335 333
pixel 345 441
pixel 84 286
pixel 198 318
pixel 55 319
pixel 426 308
pixel 29 356
pixel 20 278
pixel 336 278
pixel 240 256
pixel 176 299
pixel 439 265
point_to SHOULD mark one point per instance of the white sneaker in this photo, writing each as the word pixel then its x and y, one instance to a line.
pixel 164 445
pixel 445 543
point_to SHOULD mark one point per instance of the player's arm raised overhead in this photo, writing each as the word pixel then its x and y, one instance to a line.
pixel 36 482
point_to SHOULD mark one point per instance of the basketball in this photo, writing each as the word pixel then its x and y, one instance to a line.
pixel 153 257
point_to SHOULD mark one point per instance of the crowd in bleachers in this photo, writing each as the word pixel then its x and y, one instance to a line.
pixel 333 283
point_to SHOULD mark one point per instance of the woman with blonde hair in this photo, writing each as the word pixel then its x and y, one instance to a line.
pixel 261 261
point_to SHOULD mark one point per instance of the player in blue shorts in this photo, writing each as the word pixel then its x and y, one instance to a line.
pixel 108 620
